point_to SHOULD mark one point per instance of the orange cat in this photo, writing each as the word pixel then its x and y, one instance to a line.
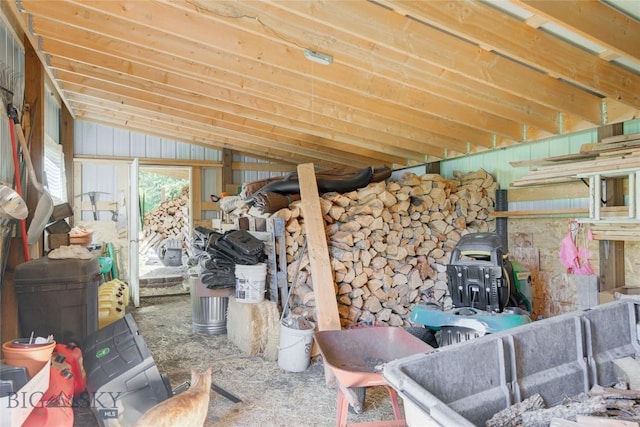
pixel 186 409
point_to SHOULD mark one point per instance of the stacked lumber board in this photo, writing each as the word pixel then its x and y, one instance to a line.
pixel 613 155
pixel 389 243
pixel 609 230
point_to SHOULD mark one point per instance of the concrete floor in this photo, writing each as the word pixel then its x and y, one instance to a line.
pixel 270 396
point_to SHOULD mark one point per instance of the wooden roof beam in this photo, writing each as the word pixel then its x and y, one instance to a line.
pixel 450 131
pixel 250 109
pixel 83 93
pixel 166 130
pixel 427 44
pixel 424 81
pixel 594 21
pixel 478 21
pixel 326 153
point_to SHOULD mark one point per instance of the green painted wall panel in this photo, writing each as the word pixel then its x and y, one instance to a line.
pixel 497 161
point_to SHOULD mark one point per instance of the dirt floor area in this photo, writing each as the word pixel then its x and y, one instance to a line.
pixel 270 396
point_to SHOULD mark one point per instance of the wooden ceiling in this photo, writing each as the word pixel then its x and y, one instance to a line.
pixel 410 82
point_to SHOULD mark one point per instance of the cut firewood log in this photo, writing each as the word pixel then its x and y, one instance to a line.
pixel 614 393
pixel 512 415
pixel 583 406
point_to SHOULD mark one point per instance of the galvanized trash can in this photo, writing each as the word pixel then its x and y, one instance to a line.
pixel 208 308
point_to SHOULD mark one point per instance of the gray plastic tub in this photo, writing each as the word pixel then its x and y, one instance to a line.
pixel 465 384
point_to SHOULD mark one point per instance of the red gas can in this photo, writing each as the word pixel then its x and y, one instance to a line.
pixel 73 356
pixel 55 408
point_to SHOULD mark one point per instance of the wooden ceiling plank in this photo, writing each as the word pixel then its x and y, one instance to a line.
pixel 478 21
pixel 169 131
pixel 425 43
pixel 170 110
pixel 170 95
pixel 399 98
pixel 401 108
pixel 264 141
pixel 202 90
pixel 86 80
pixel 594 21
pixel 324 153
pixel 391 65
pixel 121 95
pixel 296 139
pixel 419 146
pixel 398 114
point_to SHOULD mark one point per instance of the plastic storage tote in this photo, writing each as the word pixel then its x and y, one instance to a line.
pixel 59 297
pixel 466 384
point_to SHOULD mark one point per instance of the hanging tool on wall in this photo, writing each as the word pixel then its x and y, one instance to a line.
pixel 8 83
pixel 92 198
pixel 44 206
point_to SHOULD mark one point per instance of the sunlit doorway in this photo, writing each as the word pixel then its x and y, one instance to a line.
pixel 164 206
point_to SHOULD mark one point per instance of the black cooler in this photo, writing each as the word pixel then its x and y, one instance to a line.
pixel 59 297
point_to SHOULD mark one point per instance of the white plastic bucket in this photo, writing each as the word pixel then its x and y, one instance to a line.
pixel 250 282
pixel 294 351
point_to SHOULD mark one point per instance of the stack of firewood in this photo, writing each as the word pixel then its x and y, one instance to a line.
pixel 602 406
pixel 617 406
pixel 390 242
pixel 169 220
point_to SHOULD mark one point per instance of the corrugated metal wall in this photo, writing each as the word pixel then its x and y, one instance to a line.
pixel 249 175
pixel 102 141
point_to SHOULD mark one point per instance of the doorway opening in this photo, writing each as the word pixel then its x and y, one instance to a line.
pixel 164 205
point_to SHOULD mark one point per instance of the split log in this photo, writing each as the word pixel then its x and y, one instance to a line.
pixel 512 416
pixel 569 411
pixel 614 393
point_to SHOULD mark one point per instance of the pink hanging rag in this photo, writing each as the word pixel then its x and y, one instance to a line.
pixel 583 265
pixel 575 259
pixel 568 252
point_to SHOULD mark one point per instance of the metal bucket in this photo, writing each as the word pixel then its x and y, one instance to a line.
pixel 209 314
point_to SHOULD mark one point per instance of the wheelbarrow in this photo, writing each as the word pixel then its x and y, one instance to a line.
pixel 356 358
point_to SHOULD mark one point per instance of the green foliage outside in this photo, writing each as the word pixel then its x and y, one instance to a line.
pixel 151 186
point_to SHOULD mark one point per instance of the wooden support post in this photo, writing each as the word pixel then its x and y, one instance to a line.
pixel 611 252
pixel 227 170
pixel 196 193
pixel 636 214
pixel 68 142
pixel 592 197
pixel 324 286
pixel 632 195
pixel 34 90
pixel 597 196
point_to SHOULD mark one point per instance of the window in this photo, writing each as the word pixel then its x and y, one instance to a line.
pixel 54 173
